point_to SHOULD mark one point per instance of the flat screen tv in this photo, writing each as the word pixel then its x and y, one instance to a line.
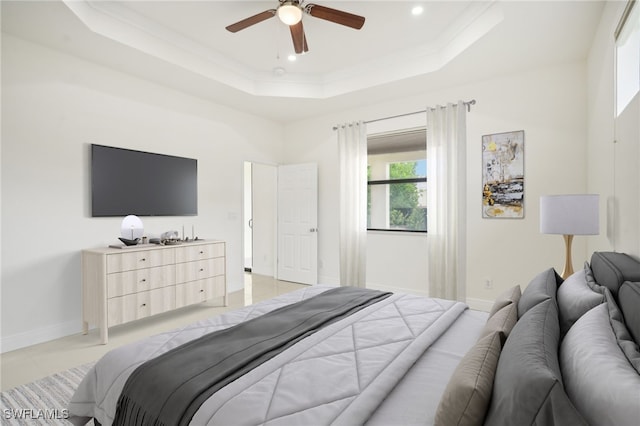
pixel 126 182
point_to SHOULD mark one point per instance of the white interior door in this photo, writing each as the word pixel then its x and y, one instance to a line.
pixel 298 223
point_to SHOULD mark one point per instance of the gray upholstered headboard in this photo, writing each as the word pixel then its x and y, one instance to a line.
pixel 612 269
pixel 620 273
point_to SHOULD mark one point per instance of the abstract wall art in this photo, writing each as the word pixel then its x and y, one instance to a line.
pixel 503 175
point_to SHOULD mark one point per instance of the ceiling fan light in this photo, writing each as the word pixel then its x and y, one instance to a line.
pixel 289 13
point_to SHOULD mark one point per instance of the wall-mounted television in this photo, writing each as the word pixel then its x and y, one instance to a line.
pixel 125 181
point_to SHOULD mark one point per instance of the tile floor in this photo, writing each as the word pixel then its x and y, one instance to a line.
pixel 34 362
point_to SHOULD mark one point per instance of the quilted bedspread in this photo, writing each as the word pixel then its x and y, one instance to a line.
pixel 339 375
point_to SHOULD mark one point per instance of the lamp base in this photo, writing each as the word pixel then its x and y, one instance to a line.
pixel 568 263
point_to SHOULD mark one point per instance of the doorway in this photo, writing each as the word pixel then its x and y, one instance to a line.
pixel 263 228
pixel 247 217
pixel 260 218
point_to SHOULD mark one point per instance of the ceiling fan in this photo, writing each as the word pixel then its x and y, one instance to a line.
pixel 290 13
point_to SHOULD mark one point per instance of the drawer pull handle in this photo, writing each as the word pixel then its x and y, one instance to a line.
pixel 201 291
pixel 201 269
pixel 201 252
pixel 143 305
pixel 143 259
pixel 144 280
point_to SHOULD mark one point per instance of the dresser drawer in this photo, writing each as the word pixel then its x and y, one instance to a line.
pixel 192 271
pixel 199 291
pixel 122 283
pixel 131 307
pixel 189 253
pixel 129 261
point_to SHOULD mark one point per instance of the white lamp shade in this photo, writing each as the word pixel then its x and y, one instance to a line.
pixel 289 13
pixel 131 227
pixel 576 214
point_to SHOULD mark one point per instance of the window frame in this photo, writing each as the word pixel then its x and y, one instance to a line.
pixel 391 182
pixel 631 10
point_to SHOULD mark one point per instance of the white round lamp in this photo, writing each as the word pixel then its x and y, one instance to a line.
pixel 131 229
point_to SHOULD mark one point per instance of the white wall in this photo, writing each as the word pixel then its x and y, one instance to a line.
pixel 53 107
pixel 604 157
pixel 549 104
pixel 386 270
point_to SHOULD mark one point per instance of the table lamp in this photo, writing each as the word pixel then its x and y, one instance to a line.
pixel 569 215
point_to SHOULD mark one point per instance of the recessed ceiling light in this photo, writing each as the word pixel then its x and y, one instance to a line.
pixel 417 10
pixel 292 58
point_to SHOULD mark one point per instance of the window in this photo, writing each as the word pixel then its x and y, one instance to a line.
pixel 627 57
pixel 397 182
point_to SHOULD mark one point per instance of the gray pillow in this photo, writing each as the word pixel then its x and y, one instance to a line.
pixel 591 282
pixel 629 301
pixel 598 377
pixel 512 295
pixel 623 337
pixel 542 287
pixel 527 389
pixel 502 321
pixel 575 298
pixel 466 398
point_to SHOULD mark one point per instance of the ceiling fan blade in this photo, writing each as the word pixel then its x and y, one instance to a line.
pixel 334 15
pixel 299 38
pixel 252 20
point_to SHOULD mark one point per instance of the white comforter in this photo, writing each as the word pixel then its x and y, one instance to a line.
pixel 338 375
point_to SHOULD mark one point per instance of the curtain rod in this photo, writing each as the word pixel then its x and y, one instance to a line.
pixel 467 104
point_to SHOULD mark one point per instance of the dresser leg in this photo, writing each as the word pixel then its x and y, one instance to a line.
pixel 85 327
pixel 103 335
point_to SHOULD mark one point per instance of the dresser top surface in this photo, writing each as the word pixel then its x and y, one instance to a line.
pixel 144 247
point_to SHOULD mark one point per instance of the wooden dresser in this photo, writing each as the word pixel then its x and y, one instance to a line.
pixel 122 285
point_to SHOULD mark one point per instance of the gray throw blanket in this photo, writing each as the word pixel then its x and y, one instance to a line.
pixel 169 389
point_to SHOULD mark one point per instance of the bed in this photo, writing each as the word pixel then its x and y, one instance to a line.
pixel 324 355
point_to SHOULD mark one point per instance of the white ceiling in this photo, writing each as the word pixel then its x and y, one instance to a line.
pixel 184 45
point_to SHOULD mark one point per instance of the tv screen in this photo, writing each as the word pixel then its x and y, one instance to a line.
pixel 126 182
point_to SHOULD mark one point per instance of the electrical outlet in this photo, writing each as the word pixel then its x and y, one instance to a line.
pixel 488 284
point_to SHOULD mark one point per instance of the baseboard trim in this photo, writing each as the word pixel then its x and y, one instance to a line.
pixel 480 304
pixel 40 335
pixel 328 280
pixel 475 304
pixel 394 289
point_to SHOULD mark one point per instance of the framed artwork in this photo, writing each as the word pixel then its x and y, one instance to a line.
pixel 503 175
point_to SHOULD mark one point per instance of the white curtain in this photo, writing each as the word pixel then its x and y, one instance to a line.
pixel 352 149
pixel 446 201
